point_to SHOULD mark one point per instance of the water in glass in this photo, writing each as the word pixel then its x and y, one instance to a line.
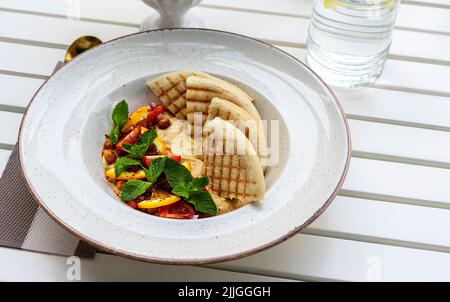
pixel 348 40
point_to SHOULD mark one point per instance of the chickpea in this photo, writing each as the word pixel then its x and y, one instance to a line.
pixel 163 123
pixel 109 156
pixel 108 144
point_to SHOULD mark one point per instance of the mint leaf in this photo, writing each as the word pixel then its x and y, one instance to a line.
pixel 156 168
pixel 114 135
pixel 134 188
pixel 120 114
pixel 138 150
pixel 123 163
pixel 203 202
pixel 189 188
pixel 147 138
pixel 129 149
pixel 182 190
pixel 119 117
pixel 176 173
pixel 199 183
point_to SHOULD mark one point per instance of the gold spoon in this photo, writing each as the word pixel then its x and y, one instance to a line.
pixel 80 45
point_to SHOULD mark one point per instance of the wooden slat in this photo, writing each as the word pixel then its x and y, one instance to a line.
pixel 121 11
pixel 439 3
pixel 405 107
pixel 302 257
pixel 385 222
pixel 4 155
pixel 29 59
pixel 321 258
pixel 9 123
pixel 58 31
pixel 399 182
pixel 404 75
pixel 401 141
pixel 431 18
pixel 46 268
pixel 268 27
pixel 288 7
pixel 294 30
pixel 17 90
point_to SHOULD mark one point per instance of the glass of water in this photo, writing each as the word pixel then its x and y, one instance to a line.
pixel 348 40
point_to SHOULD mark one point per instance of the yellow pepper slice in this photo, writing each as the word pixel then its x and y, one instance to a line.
pixel 158 199
pixel 160 146
pixel 188 166
pixel 110 174
pixel 139 115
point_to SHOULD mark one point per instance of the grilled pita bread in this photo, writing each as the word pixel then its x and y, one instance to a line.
pixel 252 129
pixel 231 163
pixel 170 88
pixel 201 90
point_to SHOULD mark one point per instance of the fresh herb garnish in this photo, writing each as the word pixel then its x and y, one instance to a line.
pixel 156 168
pixel 133 188
pixel 199 183
pixel 203 202
pixel 119 117
pixel 176 173
pixel 123 163
pixel 181 189
pixel 191 189
pixel 138 150
pixel 183 184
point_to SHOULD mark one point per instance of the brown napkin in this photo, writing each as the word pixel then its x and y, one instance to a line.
pixel 25 225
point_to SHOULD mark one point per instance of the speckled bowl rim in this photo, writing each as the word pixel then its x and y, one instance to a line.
pixel 102 247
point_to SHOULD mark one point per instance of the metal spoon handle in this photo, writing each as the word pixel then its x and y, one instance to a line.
pixel 58 66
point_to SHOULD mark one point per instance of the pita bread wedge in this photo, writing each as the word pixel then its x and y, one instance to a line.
pixel 201 90
pixel 170 88
pixel 252 129
pixel 231 163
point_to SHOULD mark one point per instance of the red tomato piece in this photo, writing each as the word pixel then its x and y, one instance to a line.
pixel 131 138
pixel 176 157
pixel 146 160
pixel 153 113
pixel 178 210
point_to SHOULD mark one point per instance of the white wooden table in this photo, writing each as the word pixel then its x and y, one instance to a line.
pixel 390 222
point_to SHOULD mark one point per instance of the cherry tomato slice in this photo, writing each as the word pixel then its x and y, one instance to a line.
pixel 178 210
pixel 146 160
pixel 152 116
pixel 131 138
pixel 176 157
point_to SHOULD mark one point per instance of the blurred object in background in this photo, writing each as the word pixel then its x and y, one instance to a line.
pixel 172 14
pixel 348 40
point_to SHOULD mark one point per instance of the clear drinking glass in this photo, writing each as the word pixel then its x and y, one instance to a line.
pixel 348 40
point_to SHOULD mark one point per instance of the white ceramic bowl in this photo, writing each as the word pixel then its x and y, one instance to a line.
pixel 63 130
